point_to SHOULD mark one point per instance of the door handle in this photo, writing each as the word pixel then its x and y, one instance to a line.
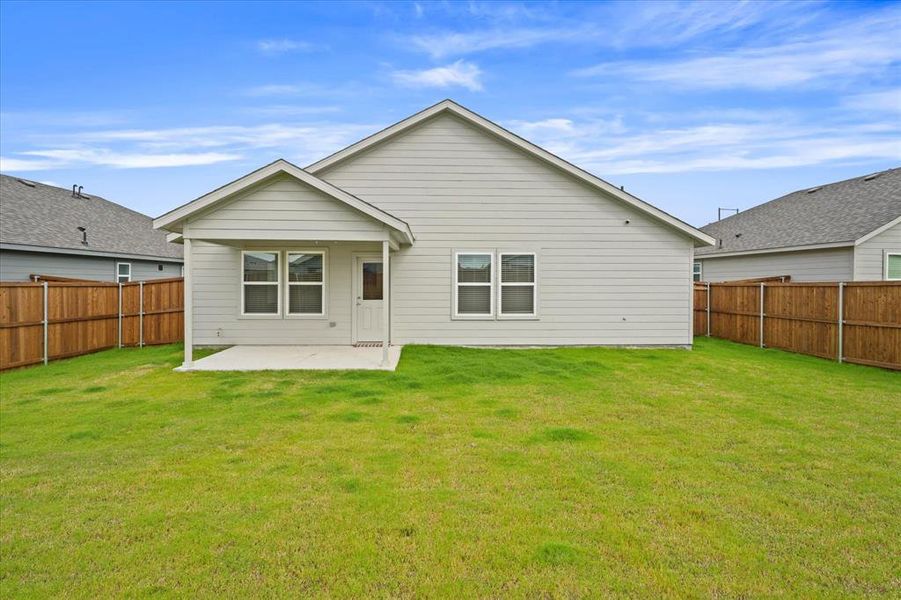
pixel 359 301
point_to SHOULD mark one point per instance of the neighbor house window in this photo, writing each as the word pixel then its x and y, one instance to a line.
pixel 259 283
pixel 123 272
pixel 893 265
pixel 472 284
pixel 517 284
pixel 696 271
pixel 306 283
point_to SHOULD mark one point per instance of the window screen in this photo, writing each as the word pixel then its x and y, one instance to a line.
pixel 306 283
pixel 474 284
pixel 260 283
pixel 517 284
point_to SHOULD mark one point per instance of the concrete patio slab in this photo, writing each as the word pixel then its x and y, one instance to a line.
pixel 271 358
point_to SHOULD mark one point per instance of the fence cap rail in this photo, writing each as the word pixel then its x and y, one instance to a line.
pixel 86 283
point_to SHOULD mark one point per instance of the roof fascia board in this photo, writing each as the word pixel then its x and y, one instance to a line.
pixel 877 231
pixel 97 253
pixel 522 144
pixel 775 250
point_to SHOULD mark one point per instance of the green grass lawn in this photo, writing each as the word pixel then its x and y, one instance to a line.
pixel 727 471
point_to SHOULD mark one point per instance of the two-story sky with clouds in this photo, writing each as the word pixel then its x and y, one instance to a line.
pixel 690 106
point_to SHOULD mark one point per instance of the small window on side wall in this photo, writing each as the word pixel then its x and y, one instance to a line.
pixel 893 266
pixel 696 271
pixel 259 283
pixel 306 283
pixel 517 289
pixel 123 272
pixel 473 284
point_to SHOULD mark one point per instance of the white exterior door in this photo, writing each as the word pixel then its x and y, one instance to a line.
pixel 369 294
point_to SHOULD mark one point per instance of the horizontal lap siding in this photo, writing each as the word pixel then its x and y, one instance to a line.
pixel 18 266
pixel 869 257
pixel 600 281
pixel 832 264
pixel 286 206
pixel 217 301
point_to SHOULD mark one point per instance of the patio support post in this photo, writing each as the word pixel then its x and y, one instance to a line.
pixel 141 316
pixel 762 288
pixel 120 315
pixel 386 294
pixel 841 318
pixel 708 309
pixel 188 305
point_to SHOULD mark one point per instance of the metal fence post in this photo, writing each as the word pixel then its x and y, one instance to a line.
pixel 841 317
pixel 708 309
pixel 761 313
pixel 46 324
pixel 141 317
pixel 120 314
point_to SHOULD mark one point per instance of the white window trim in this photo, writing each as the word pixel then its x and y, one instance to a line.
pixel 324 284
pixel 456 284
pixel 700 272
pixel 500 287
pixel 118 264
pixel 885 266
pixel 278 296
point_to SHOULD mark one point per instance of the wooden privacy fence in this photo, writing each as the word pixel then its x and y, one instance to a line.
pixel 47 320
pixel 857 322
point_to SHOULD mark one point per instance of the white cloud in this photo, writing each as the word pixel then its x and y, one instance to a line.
pixel 184 146
pixel 442 45
pixel 274 47
pixel 458 74
pixel 886 100
pixel 275 89
pixel 853 50
pixel 764 140
pixel 109 158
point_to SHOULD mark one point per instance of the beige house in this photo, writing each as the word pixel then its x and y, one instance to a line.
pixel 441 229
pixel 844 231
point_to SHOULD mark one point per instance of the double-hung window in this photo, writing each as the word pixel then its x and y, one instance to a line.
pixel 473 275
pixel 123 272
pixel 696 271
pixel 306 283
pixel 893 265
pixel 259 283
pixel 517 284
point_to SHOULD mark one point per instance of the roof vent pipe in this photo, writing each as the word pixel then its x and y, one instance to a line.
pixel 81 187
pixel 74 186
pixel 84 235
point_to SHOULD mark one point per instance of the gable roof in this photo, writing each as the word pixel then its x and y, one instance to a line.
pixel 449 106
pixel 836 214
pixel 173 220
pixel 42 217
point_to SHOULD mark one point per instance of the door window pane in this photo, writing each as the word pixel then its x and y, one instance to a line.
pixel 372 281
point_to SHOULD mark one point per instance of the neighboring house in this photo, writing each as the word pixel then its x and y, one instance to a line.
pixel 441 229
pixel 844 231
pixel 46 230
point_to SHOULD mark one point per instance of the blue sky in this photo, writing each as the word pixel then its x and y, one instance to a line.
pixel 691 106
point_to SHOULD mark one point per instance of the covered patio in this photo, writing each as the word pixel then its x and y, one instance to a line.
pixel 277 358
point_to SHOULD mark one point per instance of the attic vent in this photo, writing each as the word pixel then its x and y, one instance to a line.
pixel 26 182
pixel 812 190
pixel 872 177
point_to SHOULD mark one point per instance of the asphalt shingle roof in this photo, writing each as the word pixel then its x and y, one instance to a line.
pixel 837 212
pixel 36 214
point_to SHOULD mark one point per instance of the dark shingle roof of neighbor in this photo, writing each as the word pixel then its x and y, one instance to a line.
pixel 36 214
pixel 837 212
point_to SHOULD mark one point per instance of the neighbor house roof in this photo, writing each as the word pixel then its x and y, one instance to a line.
pixel 173 219
pixel 35 216
pixel 451 107
pixel 835 214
